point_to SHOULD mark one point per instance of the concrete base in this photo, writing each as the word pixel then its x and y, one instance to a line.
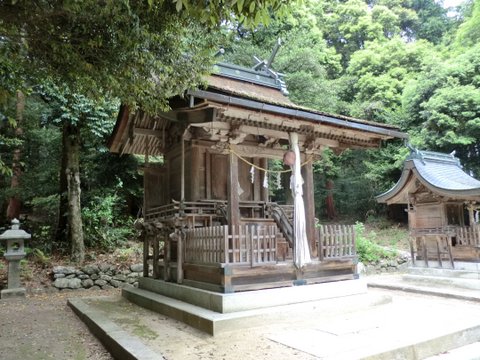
pixel 250 300
pixel 214 313
pixel 12 293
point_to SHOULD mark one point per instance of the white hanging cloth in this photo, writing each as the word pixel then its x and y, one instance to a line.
pixel 301 250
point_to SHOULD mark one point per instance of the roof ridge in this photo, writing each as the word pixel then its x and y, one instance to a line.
pixel 426 155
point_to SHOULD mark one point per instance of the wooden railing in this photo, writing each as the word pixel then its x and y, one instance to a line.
pixel 468 235
pixel 465 235
pixel 252 245
pixel 336 241
pixel 282 219
pixel 180 209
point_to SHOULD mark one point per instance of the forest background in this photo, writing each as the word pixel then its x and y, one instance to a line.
pixel 65 67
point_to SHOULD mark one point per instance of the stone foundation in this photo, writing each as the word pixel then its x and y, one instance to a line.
pixel 96 276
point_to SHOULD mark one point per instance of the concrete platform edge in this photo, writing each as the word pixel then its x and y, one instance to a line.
pixel 431 347
pixel 119 343
pixel 250 300
pixel 423 291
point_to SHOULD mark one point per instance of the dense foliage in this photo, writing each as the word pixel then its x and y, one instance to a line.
pixel 65 65
pixel 413 64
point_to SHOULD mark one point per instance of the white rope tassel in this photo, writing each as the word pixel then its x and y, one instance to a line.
pixel 252 174
pixel 265 180
pixel 278 181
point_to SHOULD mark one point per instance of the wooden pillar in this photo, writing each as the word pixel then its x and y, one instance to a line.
pixel 233 198
pixel 182 185
pixel 308 196
pixel 471 215
pixel 180 258
pixel 195 156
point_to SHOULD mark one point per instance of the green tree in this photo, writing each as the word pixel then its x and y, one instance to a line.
pixel 137 50
pixel 468 33
pixel 443 107
pixel 381 72
pixel 77 116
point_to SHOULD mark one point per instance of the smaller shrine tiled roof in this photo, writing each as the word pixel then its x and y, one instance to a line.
pixel 440 173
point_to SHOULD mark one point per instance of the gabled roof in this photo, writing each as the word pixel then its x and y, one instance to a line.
pixel 440 173
pixel 256 100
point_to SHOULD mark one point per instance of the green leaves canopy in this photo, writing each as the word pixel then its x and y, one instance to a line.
pixel 137 50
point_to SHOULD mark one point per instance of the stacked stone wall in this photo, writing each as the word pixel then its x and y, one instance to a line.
pixel 96 276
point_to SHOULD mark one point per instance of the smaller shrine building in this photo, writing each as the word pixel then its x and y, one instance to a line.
pixel 443 203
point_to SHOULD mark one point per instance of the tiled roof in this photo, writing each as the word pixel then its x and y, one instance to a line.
pixel 439 172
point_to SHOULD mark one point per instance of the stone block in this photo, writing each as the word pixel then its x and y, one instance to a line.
pixel 90 269
pixel 100 282
pixel 64 283
pixel 87 283
pixel 136 268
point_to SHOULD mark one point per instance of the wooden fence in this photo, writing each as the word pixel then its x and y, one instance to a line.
pixel 468 235
pixel 336 241
pixel 246 245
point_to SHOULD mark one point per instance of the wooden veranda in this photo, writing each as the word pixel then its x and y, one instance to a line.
pixel 253 255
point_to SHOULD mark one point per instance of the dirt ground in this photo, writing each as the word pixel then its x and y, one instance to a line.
pixel 42 326
pixel 175 340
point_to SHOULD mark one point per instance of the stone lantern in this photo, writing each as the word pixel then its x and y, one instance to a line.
pixel 15 252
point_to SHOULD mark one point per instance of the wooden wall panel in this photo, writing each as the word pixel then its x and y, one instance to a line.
pixel 154 187
pixel 429 216
pixel 219 172
pixel 197 173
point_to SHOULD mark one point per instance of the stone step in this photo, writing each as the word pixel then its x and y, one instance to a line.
pixel 397 282
pixel 444 273
pixel 437 281
pixel 446 265
pixel 213 322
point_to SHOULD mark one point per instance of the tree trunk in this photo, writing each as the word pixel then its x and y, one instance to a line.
pixel 14 204
pixel 71 148
pixel 62 224
pixel 329 203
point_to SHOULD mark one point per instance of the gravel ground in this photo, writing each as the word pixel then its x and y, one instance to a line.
pixel 42 327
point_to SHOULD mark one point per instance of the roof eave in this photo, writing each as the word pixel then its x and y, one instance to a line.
pixel 468 193
pixel 397 188
pixel 296 113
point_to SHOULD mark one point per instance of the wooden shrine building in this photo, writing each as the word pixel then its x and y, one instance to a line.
pixel 208 219
pixel 442 201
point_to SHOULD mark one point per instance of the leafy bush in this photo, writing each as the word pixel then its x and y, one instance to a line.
pixel 45 207
pixel 368 251
pixel 103 225
pixel 40 258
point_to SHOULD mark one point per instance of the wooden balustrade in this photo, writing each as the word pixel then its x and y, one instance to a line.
pixel 468 235
pixel 336 241
pixel 246 245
